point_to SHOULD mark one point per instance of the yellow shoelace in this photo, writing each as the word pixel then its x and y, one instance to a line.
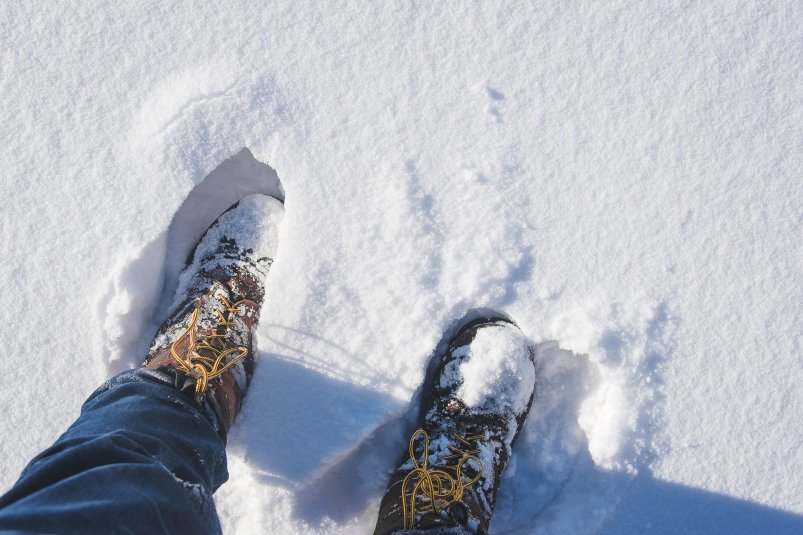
pixel 207 367
pixel 439 486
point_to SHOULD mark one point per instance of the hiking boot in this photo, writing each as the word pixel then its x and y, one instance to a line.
pixel 207 343
pixel 473 407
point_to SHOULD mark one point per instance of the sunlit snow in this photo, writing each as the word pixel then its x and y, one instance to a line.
pixel 622 178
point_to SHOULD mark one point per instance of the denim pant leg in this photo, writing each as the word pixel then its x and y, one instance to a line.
pixel 435 531
pixel 141 458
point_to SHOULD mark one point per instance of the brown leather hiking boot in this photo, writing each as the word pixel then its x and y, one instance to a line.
pixel 473 407
pixel 207 343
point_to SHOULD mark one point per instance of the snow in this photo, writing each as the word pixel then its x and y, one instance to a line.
pixel 623 179
pixel 494 372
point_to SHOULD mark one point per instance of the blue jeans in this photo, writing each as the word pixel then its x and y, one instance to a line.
pixel 141 458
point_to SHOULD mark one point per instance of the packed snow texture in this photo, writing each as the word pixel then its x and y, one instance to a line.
pixel 494 372
pixel 622 178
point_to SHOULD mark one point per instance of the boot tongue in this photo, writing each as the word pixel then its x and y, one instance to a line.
pixel 208 307
pixel 185 383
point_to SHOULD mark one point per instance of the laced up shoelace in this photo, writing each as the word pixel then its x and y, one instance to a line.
pixel 215 360
pixel 440 487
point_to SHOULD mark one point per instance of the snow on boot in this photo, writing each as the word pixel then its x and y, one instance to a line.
pixel 207 343
pixel 473 407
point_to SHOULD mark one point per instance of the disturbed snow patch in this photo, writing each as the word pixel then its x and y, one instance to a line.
pixel 628 345
pixel 594 422
pixel 138 293
pixel 191 121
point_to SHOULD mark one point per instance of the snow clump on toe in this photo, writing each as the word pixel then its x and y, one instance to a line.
pixel 500 378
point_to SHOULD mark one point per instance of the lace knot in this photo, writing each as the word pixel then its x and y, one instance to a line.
pixel 209 357
pixel 437 485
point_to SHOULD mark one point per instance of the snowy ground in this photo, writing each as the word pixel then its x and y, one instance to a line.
pixel 623 178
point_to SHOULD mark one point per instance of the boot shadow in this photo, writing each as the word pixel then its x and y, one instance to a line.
pixel 298 423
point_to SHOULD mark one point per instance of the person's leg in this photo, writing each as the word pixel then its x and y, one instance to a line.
pixel 141 458
pixel 473 407
pixel 148 449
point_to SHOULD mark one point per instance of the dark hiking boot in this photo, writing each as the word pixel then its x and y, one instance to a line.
pixel 473 407
pixel 207 343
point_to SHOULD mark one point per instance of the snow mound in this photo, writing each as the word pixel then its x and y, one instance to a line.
pixel 494 371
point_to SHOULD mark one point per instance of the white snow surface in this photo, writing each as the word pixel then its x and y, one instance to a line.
pixel 494 372
pixel 622 178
